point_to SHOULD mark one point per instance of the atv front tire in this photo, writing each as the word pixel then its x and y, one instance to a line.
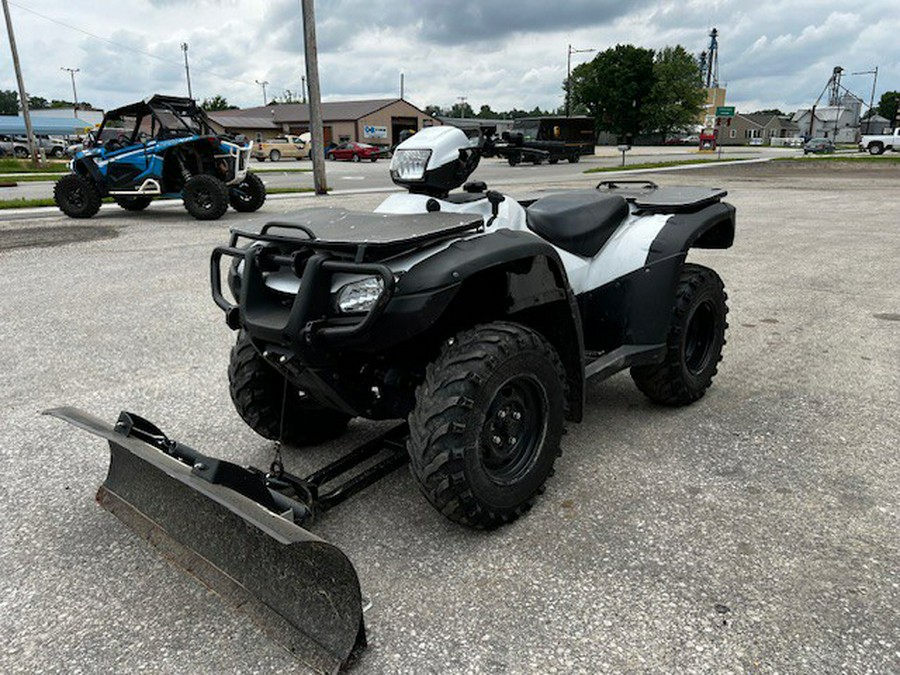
pixel 205 197
pixel 248 195
pixel 485 431
pixel 76 196
pixel 258 390
pixel 694 344
pixel 133 203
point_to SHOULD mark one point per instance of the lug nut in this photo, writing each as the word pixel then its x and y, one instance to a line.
pixel 516 415
pixel 502 414
pixel 200 466
pixel 496 440
pixel 512 440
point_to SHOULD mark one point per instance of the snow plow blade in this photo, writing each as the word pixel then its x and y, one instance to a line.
pixel 302 591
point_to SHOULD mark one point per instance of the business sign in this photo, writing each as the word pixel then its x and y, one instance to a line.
pixel 725 111
pixel 374 132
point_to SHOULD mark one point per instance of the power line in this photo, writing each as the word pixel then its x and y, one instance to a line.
pixel 126 47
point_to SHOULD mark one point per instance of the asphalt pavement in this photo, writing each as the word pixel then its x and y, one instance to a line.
pixel 755 531
pixel 374 175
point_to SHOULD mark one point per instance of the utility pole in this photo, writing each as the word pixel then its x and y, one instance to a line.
pixel 72 72
pixel 401 86
pixel 263 85
pixel 303 90
pixel 317 132
pixel 23 96
pixel 569 75
pixel 187 70
pixel 872 97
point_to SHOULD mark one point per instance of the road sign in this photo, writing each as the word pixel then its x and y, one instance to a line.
pixel 725 111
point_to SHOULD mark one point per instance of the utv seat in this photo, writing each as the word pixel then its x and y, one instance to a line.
pixel 579 222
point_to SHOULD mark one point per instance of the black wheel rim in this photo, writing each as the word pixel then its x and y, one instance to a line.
pixel 76 197
pixel 699 337
pixel 514 429
pixel 203 199
pixel 242 192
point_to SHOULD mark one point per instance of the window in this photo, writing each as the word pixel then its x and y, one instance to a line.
pixel 733 133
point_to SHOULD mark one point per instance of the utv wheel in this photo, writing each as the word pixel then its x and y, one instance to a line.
pixel 205 197
pixel 275 155
pixel 76 196
pixel 248 195
pixel 257 391
pixel 133 203
pixel 487 424
pixel 695 341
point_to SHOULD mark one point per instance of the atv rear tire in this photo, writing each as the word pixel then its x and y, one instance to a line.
pixel 248 195
pixel 695 341
pixel 257 391
pixel 485 431
pixel 76 196
pixel 205 197
pixel 133 203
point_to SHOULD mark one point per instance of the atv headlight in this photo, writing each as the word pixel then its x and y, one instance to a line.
pixel 409 165
pixel 359 296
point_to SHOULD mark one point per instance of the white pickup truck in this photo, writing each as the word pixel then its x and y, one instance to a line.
pixel 878 143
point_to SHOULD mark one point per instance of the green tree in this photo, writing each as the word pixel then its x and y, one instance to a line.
pixel 461 110
pixel 614 87
pixel 770 111
pixel 9 102
pixel 60 103
pixel 38 103
pixel 217 102
pixel 434 110
pixel 677 95
pixel 888 105
pixel 486 113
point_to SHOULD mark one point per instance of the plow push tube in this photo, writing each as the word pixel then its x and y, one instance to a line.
pixel 302 591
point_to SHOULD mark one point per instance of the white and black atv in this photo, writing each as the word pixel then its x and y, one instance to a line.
pixel 474 317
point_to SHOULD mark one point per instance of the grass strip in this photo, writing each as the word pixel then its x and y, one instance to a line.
pixel 9 165
pixel 22 203
pixel 661 165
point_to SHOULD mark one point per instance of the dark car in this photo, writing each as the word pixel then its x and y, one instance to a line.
pixel 354 152
pixel 818 146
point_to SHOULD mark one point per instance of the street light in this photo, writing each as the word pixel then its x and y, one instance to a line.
pixel 263 85
pixel 569 74
pixel 187 70
pixel 72 72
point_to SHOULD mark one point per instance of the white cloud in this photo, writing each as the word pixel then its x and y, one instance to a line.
pixel 773 53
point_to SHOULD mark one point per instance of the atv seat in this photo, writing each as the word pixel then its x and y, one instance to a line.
pixel 579 222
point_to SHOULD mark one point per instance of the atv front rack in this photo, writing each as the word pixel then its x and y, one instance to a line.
pixel 238 530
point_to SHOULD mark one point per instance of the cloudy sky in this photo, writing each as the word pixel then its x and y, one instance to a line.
pixel 773 53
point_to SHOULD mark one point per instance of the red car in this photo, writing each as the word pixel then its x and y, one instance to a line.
pixel 354 152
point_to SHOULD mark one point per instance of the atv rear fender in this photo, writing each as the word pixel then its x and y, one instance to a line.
pixel 635 310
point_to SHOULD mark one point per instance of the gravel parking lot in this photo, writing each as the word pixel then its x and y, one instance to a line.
pixel 758 530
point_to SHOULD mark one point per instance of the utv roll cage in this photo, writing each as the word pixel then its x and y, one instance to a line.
pixel 162 118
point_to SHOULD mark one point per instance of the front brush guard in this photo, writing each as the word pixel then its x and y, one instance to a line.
pixel 228 526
